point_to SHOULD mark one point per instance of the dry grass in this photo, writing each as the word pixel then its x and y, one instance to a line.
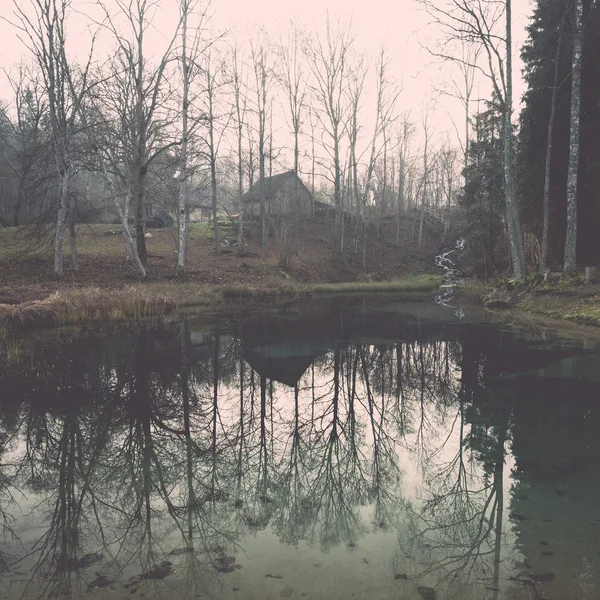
pixel 93 305
pixel 85 306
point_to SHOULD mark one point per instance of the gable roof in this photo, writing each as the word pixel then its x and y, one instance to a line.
pixel 273 185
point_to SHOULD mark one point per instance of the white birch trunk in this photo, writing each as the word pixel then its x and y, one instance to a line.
pixel 570 262
pixel 183 175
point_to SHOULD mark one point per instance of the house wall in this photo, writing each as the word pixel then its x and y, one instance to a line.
pixel 283 202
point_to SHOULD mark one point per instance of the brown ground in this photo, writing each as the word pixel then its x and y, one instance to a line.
pixel 101 259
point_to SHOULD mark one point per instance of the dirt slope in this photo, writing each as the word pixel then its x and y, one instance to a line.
pixel 101 258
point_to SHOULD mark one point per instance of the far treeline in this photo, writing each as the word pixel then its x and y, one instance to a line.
pixel 194 122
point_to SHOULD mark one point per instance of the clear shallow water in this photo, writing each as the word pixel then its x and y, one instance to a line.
pixel 368 450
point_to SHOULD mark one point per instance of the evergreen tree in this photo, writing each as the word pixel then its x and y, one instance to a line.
pixel 539 56
pixel 483 196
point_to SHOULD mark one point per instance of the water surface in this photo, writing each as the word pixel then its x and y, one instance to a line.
pixel 351 449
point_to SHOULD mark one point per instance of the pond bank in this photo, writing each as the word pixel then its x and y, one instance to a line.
pixel 73 306
pixel 575 302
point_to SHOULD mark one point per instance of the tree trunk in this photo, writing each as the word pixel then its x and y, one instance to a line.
pixel 546 200
pixel 60 224
pixel 570 263
pixel 125 219
pixel 73 233
pixel 140 217
pixel 513 220
pixel 183 175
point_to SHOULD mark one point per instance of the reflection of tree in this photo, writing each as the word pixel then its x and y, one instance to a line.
pixel 292 520
pixel 385 468
pixel 337 486
pixel 455 533
pixel 7 500
pixel 169 444
pixel 62 453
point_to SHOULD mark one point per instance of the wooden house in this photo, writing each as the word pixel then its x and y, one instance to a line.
pixel 285 195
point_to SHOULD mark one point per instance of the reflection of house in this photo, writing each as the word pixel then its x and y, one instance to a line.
pixel 284 194
pixel 287 370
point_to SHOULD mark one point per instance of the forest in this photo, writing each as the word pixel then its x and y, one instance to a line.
pixel 196 120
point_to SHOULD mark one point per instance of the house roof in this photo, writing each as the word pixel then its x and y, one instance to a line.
pixel 273 185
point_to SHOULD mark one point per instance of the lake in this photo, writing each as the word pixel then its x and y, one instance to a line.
pixel 347 448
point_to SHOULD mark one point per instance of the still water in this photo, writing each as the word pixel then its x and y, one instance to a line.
pixel 347 450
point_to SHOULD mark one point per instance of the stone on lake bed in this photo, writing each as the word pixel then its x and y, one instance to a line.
pixel 542 577
pixel 160 571
pixel 102 581
pixel 426 593
pixel 225 564
pixel 286 591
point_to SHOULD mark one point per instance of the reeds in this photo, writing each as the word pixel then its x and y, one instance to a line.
pixel 85 306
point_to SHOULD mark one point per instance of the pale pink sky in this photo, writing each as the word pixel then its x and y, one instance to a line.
pixel 401 25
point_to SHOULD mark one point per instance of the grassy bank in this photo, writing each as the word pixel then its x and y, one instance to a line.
pixel 582 308
pixel 93 305
pixel 573 301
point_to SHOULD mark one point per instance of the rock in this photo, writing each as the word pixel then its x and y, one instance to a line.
pixel 496 303
pixel 543 577
pixel 160 571
pixel 100 582
pixel 273 576
pixel 180 551
pixel 225 564
pixel 426 593
pixel 400 576
pixel 286 591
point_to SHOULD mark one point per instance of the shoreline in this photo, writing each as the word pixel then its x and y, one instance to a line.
pixel 575 303
pixel 83 306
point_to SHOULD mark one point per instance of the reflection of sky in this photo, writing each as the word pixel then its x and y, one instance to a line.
pixel 329 511
pixel 357 530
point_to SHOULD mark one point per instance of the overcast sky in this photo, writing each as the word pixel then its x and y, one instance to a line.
pixel 401 25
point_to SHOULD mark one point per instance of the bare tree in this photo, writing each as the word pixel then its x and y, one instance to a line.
pixel 240 100
pixel 406 131
pixel 463 21
pixel 292 79
pixel 190 54
pixel 143 130
pixel 427 133
pixel 44 34
pixel 357 78
pixel 214 80
pixel 262 79
pixel 386 99
pixel 329 58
